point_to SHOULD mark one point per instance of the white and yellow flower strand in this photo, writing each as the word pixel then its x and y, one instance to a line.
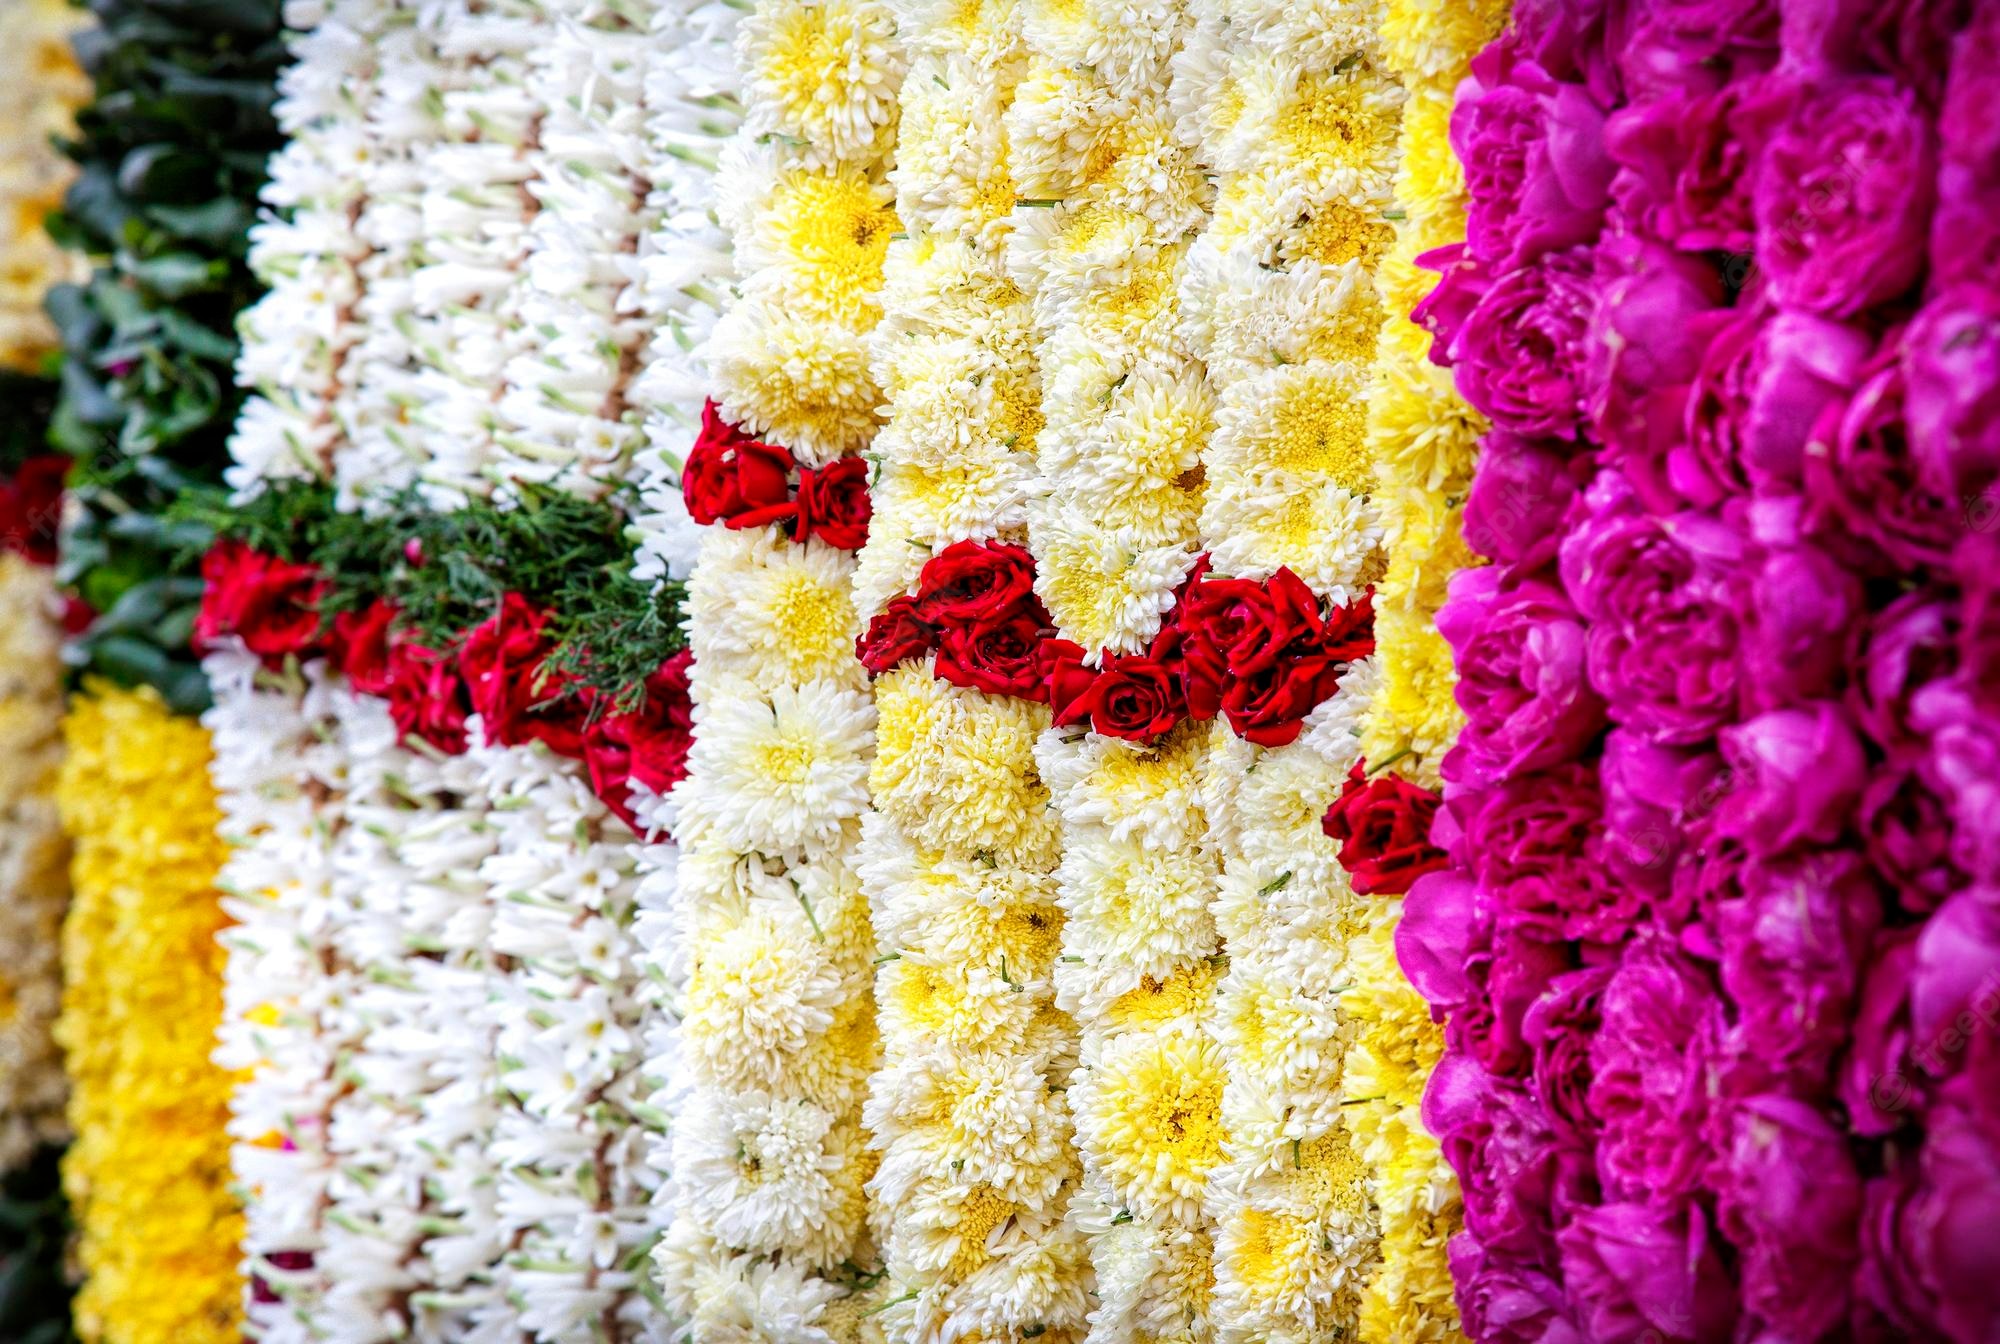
pixel 778 1036
pixel 959 855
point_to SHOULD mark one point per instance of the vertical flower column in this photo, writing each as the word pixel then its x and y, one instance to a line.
pixel 148 1170
pixel 1292 110
pixel 39 94
pixel 769 1157
pixel 32 877
pixel 1109 203
pixel 967 1111
pixel 1422 437
pixel 692 108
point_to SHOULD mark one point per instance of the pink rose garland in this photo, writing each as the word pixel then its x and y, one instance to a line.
pixel 1718 944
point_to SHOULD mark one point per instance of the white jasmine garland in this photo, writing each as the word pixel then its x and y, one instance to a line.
pixel 692 104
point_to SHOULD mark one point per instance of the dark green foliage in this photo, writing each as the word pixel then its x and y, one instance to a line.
pixel 172 155
pixel 448 571
pixel 34 1224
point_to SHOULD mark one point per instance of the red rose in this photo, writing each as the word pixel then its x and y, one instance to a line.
pixel 999 657
pixel 975 581
pixel 894 636
pixel 271 604
pixel 518 700
pixel 31 508
pixel 1270 708
pixel 734 479
pixel 427 698
pixel 1384 829
pixel 1238 628
pixel 1348 633
pixel 1135 698
pixel 1071 687
pixel 834 505
pixel 363 644
pixel 649 745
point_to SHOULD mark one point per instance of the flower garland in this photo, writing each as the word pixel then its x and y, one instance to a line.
pixel 692 108
pixel 1713 953
pixel 147 1174
pixel 1422 438
pixel 1296 113
pixel 958 855
pixel 769 1156
pixel 1113 203
pixel 43 88
pixel 31 846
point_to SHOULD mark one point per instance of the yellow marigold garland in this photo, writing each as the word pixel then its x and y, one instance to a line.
pixel 148 1173
pixel 34 886
pixel 1422 438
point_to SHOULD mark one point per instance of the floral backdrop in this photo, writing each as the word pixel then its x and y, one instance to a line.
pixel 837 671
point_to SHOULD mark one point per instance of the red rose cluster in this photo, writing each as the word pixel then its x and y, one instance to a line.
pixel 733 479
pixel 31 508
pixel 975 606
pixel 1260 654
pixel 498 671
pixel 1384 829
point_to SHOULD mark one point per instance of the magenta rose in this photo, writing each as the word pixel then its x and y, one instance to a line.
pixel 1910 39
pixel 1663 643
pixel 1903 648
pixel 1655 1065
pixel 1653 323
pixel 1963 768
pixel 1761 390
pixel 1906 833
pixel 1687 163
pixel 1653 794
pixel 1799 774
pixel 1519 496
pixel 1513 1173
pixel 1533 150
pixel 1930 1262
pixel 1976 566
pixel 1965 232
pixel 1559 1028
pixel 1864 500
pixel 1844 196
pixel 1646 1272
pixel 1535 843
pixel 1802 605
pixel 1793 948
pixel 1951 367
pixel 1505 1298
pixel 1435 938
pixel 1788 1198
pixel 1519 357
pixel 1443 312
pixel 1520 652
pixel 1955 980
pixel 1508 972
pixel 1878 1081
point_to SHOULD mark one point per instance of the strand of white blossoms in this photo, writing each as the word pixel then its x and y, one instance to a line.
pixel 34 881
pixel 693 106
pixel 1113 203
pixel 461 1110
pixel 977 1165
pixel 1285 105
pixel 769 1157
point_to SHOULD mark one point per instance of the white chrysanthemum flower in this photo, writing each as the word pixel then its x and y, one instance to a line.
pixel 1103 594
pixel 764 1174
pixel 1149 1113
pixel 771 611
pixel 784 769
pixel 823 75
